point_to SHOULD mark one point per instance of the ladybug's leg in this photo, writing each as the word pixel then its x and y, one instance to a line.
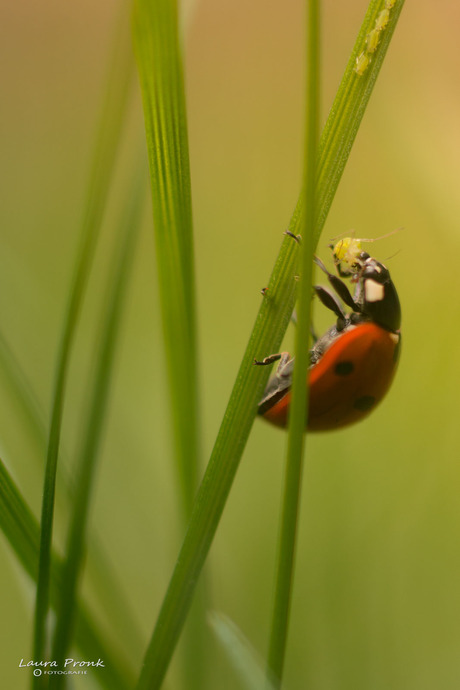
pixel 339 286
pixel 284 358
pixel 297 238
pixel 280 382
pixel 331 302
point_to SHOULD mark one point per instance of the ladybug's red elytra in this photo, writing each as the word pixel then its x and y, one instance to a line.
pixel 353 364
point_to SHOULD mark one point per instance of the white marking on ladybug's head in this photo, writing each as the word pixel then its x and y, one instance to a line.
pixel 373 291
pixel 395 337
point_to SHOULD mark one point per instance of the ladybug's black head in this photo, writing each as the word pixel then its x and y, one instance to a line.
pixel 376 294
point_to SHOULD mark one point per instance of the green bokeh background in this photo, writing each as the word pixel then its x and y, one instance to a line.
pixel 377 597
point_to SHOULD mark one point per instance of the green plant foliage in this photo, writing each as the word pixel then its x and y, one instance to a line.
pixel 87 457
pixel 104 157
pixel 271 323
pixel 299 402
pixel 156 42
pixel 22 531
pixel 158 51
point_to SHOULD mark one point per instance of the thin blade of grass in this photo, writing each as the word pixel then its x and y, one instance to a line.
pixel 22 531
pixel 156 41
pixel 238 419
pixel 349 106
pixel 299 400
pixel 244 659
pixel 21 392
pixel 106 587
pixel 91 439
pixel 271 323
pixel 104 157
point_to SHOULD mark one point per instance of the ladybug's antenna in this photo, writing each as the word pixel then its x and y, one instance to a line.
pixel 392 255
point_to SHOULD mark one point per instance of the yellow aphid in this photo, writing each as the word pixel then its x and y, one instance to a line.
pixel 382 20
pixel 362 63
pixel 348 254
pixel 389 4
pixel 347 251
pixel 372 41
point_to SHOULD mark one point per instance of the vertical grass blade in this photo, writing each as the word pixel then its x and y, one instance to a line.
pixel 238 419
pixel 244 659
pixel 104 157
pixel 107 589
pixel 21 391
pixel 156 40
pixel 271 323
pixel 22 531
pixel 88 455
pixel 299 401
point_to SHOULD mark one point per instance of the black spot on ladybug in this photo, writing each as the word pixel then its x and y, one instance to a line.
pixel 344 368
pixel 364 403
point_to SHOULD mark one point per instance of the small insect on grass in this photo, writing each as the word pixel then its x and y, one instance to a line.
pixel 373 39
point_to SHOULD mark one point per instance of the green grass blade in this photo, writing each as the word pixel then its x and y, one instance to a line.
pixel 22 531
pixel 299 400
pixel 91 439
pixel 244 659
pixel 160 69
pixel 105 153
pixel 238 419
pixel 106 588
pixel 270 326
pixel 348 109
pixel 156 40
pixel 21 392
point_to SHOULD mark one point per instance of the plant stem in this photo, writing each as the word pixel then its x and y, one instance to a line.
pixel 299 401
pixel 103 161
pixel 91 438
pixel 271 323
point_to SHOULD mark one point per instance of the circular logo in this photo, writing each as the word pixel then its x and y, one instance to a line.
pixel 37 672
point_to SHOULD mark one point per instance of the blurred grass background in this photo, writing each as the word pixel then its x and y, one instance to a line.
pixel 377 602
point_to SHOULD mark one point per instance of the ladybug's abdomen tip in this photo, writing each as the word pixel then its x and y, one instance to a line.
pixel 353 376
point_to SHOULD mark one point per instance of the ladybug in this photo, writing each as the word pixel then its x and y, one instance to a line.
pixel 353 364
